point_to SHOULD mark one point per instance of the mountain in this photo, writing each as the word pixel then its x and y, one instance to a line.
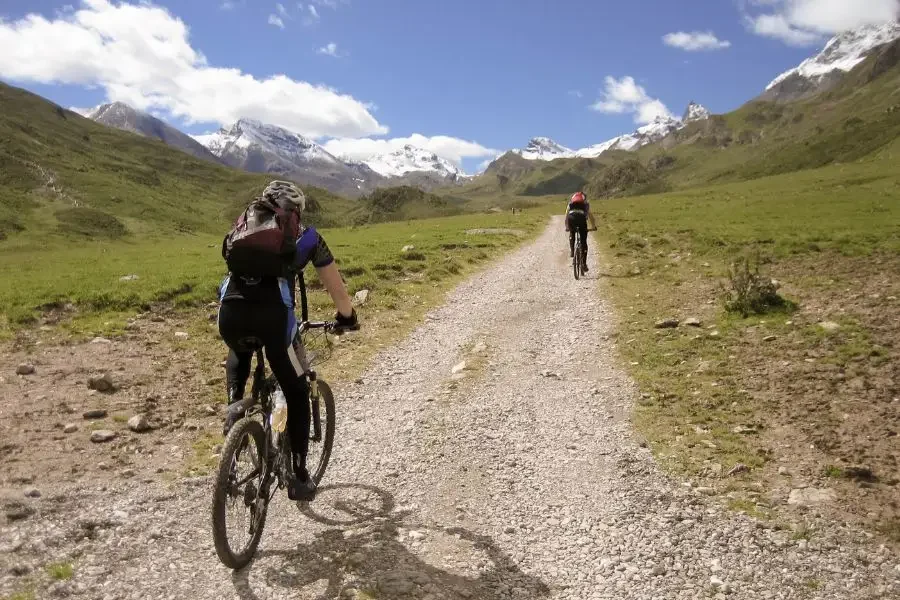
pixel 694 112
pixel 261 148
pixel 543 148
pixel 121 116
pixel 410 159
pixel 841 54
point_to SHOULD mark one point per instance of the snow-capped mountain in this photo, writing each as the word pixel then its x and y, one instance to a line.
pixel 410 159
pixel 543 148
pixel 248 141
pixel 694 112
pixel 842 52
pixel 122 116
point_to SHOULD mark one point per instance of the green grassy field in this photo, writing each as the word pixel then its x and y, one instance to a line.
pixel 752 390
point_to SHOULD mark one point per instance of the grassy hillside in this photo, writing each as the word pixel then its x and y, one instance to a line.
pixel 64 175
pixel 801 392
pixel 403 203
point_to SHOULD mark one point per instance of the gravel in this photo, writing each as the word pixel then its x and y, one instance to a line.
pixel 506 484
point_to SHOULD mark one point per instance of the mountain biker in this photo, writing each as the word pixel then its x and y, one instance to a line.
pixel 578 212
pixel 262 308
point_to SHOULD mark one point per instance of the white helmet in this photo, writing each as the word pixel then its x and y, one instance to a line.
pixel 285 190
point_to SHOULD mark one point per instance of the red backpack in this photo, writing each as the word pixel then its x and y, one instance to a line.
pixel 263 240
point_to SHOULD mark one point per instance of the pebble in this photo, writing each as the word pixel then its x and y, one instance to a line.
pixel 95 413
pixel 70 428
pixel 139 423
pixel 102 435
pixel 25 369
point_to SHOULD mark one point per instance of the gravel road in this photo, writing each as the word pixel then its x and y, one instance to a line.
pixel 517 477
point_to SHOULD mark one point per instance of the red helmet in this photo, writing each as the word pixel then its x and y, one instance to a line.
pixel 578 197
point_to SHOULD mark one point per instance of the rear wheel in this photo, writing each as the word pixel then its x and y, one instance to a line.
pixel 576 261
pixel 239 498
pixel 321 431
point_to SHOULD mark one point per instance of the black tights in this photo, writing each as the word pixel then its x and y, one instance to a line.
pixel 240 322
pixel 577 222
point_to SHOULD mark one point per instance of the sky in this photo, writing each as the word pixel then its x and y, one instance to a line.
pixel 467 79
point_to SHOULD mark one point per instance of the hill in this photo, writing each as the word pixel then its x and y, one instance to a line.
pixel 404 203
pixel 64 175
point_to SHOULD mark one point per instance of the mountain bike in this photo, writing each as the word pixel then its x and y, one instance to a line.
pixel 269 451
pixel 579 258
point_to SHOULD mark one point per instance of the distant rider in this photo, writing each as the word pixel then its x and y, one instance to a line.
pixel 578 212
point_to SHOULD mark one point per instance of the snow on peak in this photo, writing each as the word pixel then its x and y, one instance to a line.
pixel 409 159
pixel 247 133
pixel 843 52
pixel 695 112
pixel 543 148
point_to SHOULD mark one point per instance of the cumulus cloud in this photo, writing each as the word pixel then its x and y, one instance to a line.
pixel 329 49
pixel 626 96
pixel 451 148
pixel 805 22
pixel 695 41
pixel 140 54
pixel 276 21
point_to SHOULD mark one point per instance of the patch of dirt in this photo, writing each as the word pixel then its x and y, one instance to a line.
pixel 174 391
pixel 831 394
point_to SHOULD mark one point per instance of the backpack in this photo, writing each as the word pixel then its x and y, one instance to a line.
pixel 263 240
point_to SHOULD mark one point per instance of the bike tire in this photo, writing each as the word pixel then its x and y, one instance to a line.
pixel 576 262
pixel 326 405
pixel 228 557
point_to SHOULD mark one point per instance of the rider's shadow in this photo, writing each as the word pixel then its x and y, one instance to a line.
pixel 373 553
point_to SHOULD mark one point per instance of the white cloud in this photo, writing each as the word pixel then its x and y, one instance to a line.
pixel 576 94
pixel 695 41
pixel 804 22
pixel 312 11
pixel 453 149
pixel 276 21
pixel 282 11
pixel 329 49
pixel 229 5
pixel 626 96
pixel 141 55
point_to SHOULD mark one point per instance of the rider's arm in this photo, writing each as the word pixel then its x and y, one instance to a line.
pixel 591 217
pixel 311 248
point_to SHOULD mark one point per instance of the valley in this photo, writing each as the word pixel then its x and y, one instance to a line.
pixel 712 412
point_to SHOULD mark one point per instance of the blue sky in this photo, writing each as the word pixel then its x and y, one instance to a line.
pixel 469 77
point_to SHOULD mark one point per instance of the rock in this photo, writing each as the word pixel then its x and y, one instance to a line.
pixel 407 248
pixel 658 571
pixel 102 435
pixel 829 325
pixel 479 347
pixel 181 335
pixel 191 425
pixel 25 369
pixel 361 297
pixel 715 470
pixel 667 324
pixel 139 423
pixel 100 340
pixel 70 428
pixel 32 492
pixel 416 535
pixel 770 338
pixel 95 413
pixel 20 570
pixel 128 473
pixel 635 271
pixel 706 491
pixel 692 322
pixel 743 429
pixel 809 495
pixel 210 410
pixel 738 468
pixel 103 383
pixel 716 581
pixel 458 368
pixel 129 278
pixel 784 471
pixel 714 333
pixel 17 511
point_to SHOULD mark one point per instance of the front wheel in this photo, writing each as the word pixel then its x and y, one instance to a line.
pixel 240 499
pixel 576 262
pixel 321 430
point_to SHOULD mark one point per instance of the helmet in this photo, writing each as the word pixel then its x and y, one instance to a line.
pixel 578 197
pixel 285 190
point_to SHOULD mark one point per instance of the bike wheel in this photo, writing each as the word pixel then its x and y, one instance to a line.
pixel 576 261
pixel 321 431
pixel 236 544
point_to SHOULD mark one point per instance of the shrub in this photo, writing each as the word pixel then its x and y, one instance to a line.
pixel 750 292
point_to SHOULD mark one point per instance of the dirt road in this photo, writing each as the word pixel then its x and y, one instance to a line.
pixel 519 478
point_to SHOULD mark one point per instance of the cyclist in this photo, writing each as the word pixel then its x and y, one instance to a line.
pixel 578 212
pixel 262 308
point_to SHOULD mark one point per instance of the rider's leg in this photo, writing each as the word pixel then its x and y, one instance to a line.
pixel 582 233
pixel 284 362
pixel 571 241
pixel 233 328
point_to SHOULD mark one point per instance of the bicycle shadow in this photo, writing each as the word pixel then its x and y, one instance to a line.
pixel 371 552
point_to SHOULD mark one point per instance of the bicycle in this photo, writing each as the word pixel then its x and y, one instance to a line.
pixel 273 465
pixel 579 257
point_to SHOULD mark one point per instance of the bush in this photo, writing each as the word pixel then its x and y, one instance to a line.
pixel 751 292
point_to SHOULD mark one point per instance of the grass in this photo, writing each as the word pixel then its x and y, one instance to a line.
pixel 60 571
pixel 668 257
pixel 26 594
pixel 202 461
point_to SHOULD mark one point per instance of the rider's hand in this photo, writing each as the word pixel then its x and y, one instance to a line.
pixel 342 323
